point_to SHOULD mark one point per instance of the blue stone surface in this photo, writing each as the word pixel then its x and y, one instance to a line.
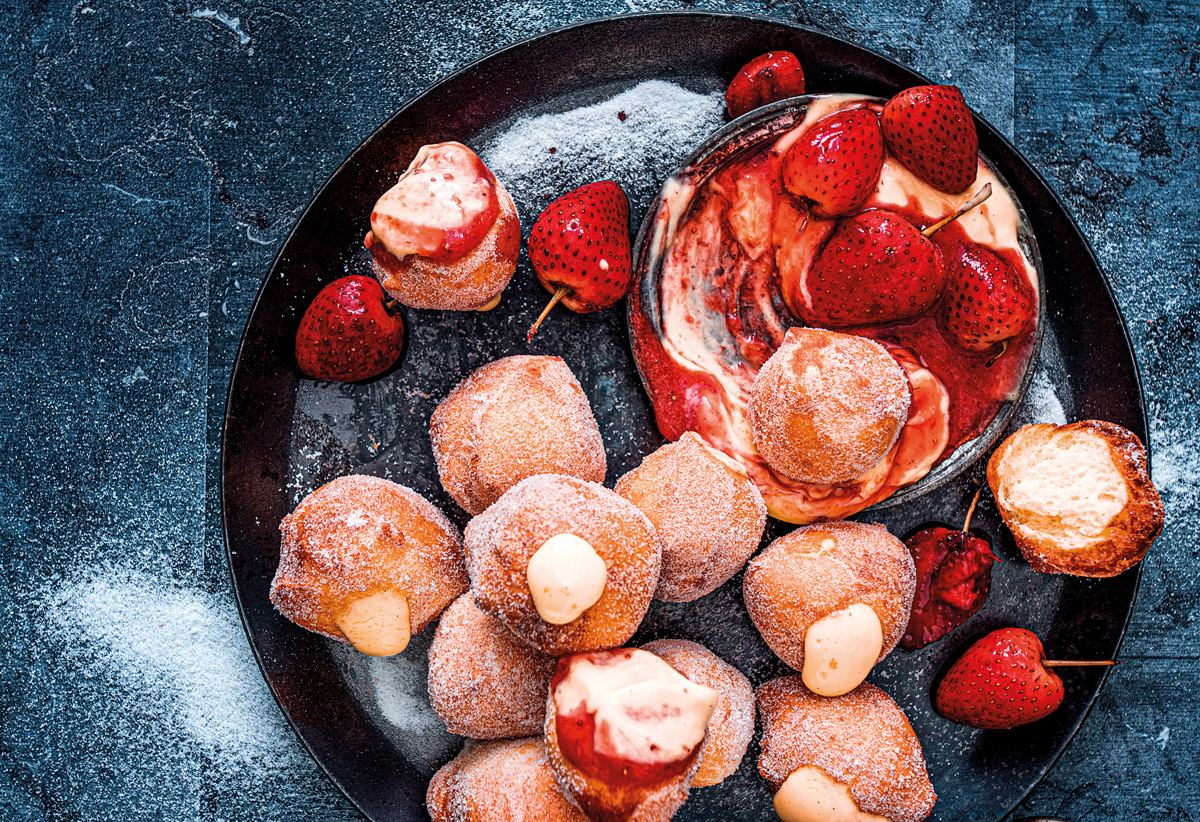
pixel 153 156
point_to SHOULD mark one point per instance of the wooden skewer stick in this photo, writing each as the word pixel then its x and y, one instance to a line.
pixel 979 197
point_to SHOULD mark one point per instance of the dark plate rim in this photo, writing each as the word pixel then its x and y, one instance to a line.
pixel 518 44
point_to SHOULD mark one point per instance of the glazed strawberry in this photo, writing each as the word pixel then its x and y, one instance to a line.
pixel 836 162
pixel 1002 681
pixel 347 332
pixel 876 268
pixel 954 577
pixel 931 131
pixel 773 76
pixel 987 302
pixel 579 248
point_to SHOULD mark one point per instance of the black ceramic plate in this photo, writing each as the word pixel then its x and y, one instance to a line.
pixel 367 722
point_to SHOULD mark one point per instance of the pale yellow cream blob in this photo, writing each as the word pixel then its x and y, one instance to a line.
pixel 811 795
pixel 377 624
pixel 841 649
pixel 566 577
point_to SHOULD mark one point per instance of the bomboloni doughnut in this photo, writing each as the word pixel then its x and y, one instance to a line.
pixel 827 407
pixel 566 564
pixel 844 757
pixel 511 419
pixel 625 732
pixel 484 682
pixel 446 235
pixel 831 600
pixel 508 781
pixel 369 562
pixel 708 514
pixel 732 724
pixel 1078 498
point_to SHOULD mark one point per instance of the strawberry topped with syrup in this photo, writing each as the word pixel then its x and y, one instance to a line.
pixel 877 268
pixel 624 725
pixel 930 130
pixel 987 302
pixel 836 163
pixel 773 76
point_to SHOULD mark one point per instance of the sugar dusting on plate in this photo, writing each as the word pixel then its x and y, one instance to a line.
pixel 636 137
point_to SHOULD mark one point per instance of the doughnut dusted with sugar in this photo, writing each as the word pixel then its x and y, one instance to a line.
pixel 1078 498
pixel 625 733
pixel 512 419
pixel 827 407
pixel 732 724
pixel 708 515
pixel 484 682
pixel 831 600
pixel 446 235
pixel 566 564
pixel 855 753
pixel 507 781
pixel 366 561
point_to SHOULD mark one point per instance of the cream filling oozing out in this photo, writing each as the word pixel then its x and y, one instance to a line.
pixel 645 711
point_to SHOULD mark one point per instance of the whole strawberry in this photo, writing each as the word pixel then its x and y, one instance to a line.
pixel 347 332
pixel 579 248
pixel 773 76
pixel 876 268
pixel 931 131
pixel 836 162
pixel 987 302
pixel 1001 682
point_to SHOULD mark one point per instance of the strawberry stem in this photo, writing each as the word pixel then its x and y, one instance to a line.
pixel 979 197
pixel 559 293
pixel 1051 663
pixel 971 509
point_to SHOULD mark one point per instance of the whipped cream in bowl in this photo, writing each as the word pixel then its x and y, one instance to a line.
pixel 709 306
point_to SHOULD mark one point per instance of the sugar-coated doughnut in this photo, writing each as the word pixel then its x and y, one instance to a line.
pixel 502 540
pixel 446 235
pixel 827 407
pixel 732 724
pixel 507 781
pixel 840 592
pixel 859 745
pixel 708 514
pixel 511 419
pixel 484 682
pixel 366 561
pixel 1078 498
pixel 625 733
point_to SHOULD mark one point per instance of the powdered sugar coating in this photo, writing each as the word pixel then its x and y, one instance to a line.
pixel 507 781
pixel 708 515
pixel 484 682
pixel 512 419
pixel 500 541
pixel 861 739
pixel 361 534
pixel 808 574
pixel 827 407
pixel 467 284
pixel 732 724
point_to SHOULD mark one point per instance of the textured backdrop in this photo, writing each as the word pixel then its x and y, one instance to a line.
pixel 154 154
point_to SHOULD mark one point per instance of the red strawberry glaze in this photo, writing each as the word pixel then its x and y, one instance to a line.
pixel 576 733
pixel 721 310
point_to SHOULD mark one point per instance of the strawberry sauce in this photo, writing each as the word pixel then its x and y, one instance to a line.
pixel 735 260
